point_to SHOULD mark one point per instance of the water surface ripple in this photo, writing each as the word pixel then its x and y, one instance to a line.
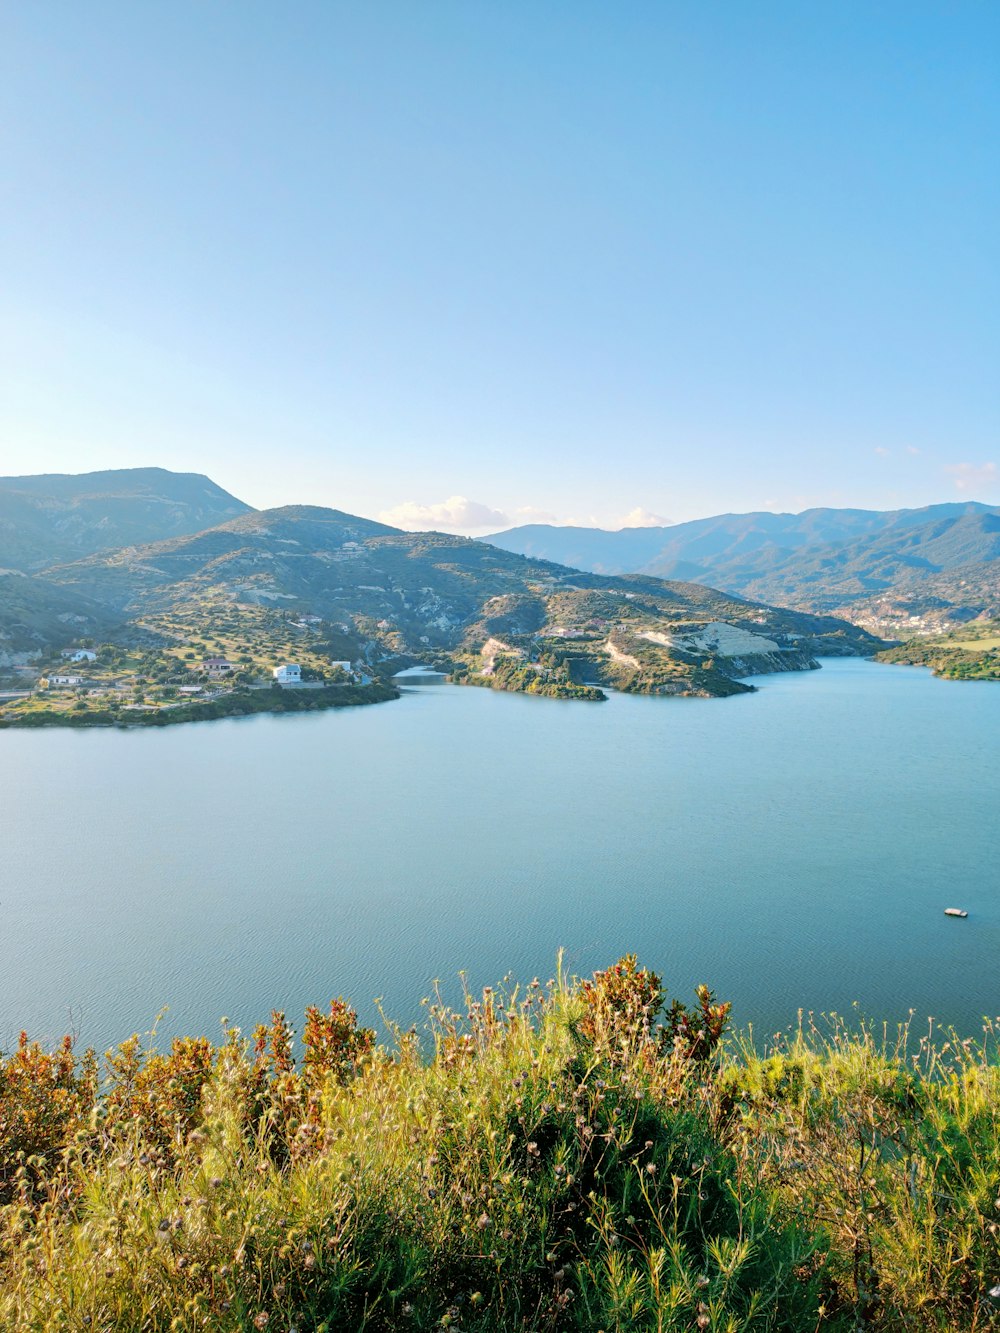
pixel 794 848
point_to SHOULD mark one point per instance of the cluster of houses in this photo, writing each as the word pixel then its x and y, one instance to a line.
pixel 58 679
pixel 216 668
pixel 289 673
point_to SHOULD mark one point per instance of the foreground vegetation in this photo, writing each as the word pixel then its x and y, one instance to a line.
pixel 566 1157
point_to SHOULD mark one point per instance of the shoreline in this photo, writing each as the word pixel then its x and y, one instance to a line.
pixel 249 703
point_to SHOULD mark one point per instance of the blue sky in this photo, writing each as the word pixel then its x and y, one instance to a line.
pixel 469 263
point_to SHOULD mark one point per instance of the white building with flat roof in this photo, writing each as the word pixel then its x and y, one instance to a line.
pixel 290 673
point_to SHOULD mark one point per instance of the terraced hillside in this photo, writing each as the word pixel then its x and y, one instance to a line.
pixel 487 615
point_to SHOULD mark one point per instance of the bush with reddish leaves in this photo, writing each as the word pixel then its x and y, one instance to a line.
pixel 45 1098
pixel 622 1008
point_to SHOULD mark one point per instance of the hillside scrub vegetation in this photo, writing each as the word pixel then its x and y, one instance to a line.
pixel 969 653
pixel 570 1156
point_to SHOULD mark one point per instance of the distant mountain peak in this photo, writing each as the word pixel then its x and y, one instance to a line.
pixel 50 518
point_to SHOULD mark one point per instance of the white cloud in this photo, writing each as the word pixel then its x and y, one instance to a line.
pixel 974 476
pixel 532 514
pixel 642 518
pixel 456 514
pixel 460 514
pixel 910 449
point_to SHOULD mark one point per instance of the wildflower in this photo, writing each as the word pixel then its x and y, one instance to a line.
pixel 261 1320
pixel 650 1168
pixel 483 1221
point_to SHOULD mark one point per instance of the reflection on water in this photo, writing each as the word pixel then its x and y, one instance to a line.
pixel 419 676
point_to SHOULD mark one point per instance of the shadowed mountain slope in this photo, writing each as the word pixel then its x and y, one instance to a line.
pixel 35 614
pixel 53 518
pixel 824 560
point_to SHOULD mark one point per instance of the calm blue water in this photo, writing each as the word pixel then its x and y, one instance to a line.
pixel 792 848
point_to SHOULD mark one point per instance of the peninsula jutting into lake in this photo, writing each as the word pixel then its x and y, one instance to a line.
pixel 302 608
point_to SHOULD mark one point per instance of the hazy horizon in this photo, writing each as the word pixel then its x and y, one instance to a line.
pixel 631 521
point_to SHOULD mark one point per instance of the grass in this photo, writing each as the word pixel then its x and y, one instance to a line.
pixel 569 1157
pixel 987 641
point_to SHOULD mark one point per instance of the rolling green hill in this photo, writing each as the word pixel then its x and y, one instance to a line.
pixel 491 616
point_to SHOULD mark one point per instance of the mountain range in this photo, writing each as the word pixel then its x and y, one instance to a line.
pixel 898 571
pixel 389 595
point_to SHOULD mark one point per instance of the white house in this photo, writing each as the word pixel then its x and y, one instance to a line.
pixel 344 666
pixel 217 666
pixel 288 674
pixel 80 654
pixel 62 680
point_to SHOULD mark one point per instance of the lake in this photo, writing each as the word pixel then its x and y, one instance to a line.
pixel 793 848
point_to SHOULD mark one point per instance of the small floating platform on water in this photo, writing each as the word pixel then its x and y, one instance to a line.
pixel 955 911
